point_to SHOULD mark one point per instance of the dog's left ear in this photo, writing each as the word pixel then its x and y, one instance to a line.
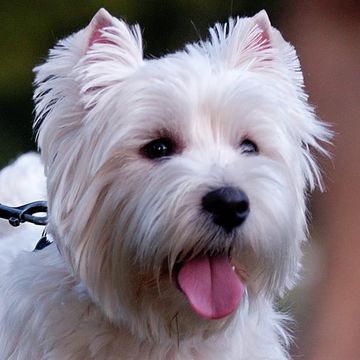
pixel 261 19
pixel 253 44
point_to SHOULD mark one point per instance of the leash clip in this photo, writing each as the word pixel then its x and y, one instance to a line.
pixel 25 213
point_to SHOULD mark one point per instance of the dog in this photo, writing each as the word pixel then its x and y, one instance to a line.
pixel 177 195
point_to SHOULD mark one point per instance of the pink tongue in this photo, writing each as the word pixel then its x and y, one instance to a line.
pixel 211 286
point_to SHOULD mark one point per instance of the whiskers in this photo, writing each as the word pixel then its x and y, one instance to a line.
pixel 177 333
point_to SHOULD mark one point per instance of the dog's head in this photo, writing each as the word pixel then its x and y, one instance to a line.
pixel 177 185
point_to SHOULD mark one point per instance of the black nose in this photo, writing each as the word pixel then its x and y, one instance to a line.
pixel 228 205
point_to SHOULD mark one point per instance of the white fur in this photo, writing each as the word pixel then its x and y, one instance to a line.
pixel 118 219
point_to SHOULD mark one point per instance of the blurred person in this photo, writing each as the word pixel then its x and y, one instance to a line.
pixel 326 34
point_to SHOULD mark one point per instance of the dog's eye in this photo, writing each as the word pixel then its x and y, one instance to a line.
pixel 158 148
pixel 249 147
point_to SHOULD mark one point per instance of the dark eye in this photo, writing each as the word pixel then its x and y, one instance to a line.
pixel 158 148
pixel 249 147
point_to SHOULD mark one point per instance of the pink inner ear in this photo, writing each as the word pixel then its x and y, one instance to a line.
pixel 263 39
pixel 96 35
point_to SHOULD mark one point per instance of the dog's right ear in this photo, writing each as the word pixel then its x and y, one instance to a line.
pixel 78 71
pixel 113 51
pixel 108 30
pixel 106 46
pixel 100 21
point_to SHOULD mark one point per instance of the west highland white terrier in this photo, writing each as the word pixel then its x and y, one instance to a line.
pixel 176 190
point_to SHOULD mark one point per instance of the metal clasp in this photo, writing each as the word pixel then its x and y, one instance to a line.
pixel 27 212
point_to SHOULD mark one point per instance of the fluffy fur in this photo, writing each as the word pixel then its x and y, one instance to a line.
pixel 121 222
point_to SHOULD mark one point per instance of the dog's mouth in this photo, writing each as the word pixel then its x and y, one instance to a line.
pixel 212 283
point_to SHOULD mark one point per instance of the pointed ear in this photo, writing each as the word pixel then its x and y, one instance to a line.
pixel 78 70
pixel 114 50
pixel 253 44
pixel 261 19
pixel 259 40
pixel 106 32
pixel 102 19
pixel 243 42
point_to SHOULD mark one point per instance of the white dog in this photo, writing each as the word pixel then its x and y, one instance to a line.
pixel 176 189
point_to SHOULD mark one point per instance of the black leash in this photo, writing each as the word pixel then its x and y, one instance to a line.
pixel 25 213
pixel 28 213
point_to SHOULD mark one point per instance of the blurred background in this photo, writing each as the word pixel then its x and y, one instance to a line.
pixel 326 34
